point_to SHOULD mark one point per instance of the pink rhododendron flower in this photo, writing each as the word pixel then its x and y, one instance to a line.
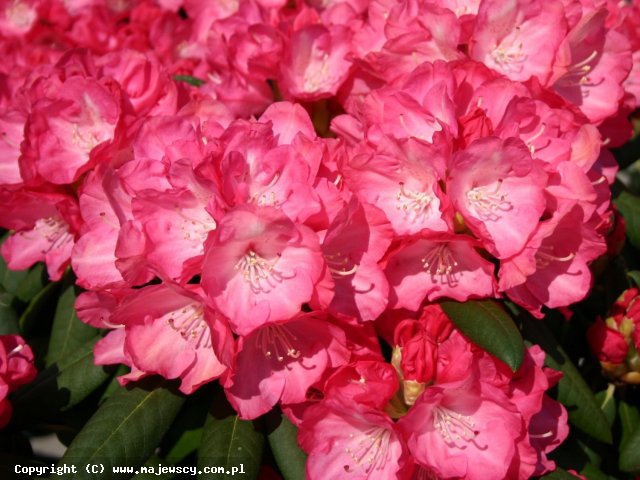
pixel 278 362
pixel 442 266
pixel 171 332
pixel 497 188
pixel 259 267
pixel 518 38
pixel 16 369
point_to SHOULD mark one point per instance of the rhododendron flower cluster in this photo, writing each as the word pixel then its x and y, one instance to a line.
pixel 462 414
pixel 616 340
pixel 252 192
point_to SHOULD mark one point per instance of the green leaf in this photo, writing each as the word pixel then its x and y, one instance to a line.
pixel 283 441
pixel 635 276
pixel 32 284
pixel 196 82
pixel 68 333
pixel 629 460
pixel 629 207
pixel 573 392
pixel 630 453
pixel 230 444
pixel 8 316
pixel 114 385
pixel 592 472
pixel 10 280
pixel 629 419
pixel 487 325
pixel 38 313
pixel 124 431
pixel 185 434
pixel 607 402
pixel 559 474
pixel 63 385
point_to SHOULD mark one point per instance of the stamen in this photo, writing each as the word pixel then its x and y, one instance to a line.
pixel 439 262
pixel 509 55
pixel 455 429
pixel 189 322
pixel 488 203
pixel 541 435
pixel 315 76
pixel 546 255
pixel 338 264
pixel 277 340
pixel 415 204
pixel 267 197
pixel 369 450
pixel 260 274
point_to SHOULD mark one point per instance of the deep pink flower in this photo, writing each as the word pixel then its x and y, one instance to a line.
pixel 45 224
pixel 442 266
pixel 591 65
pixel 352 246
pixel 168 331
pixel 278 362
pixel 66 125
pixel 552 269
pixel 16 369
pixel 315 63
pixel 520 38
pixel 465 430
pixel 260 267
pixel 397 178
pixel 498 190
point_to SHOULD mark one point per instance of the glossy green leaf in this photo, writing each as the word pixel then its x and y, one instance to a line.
pixel 607 402
pixel 68 332
pixel 63 385
pixel 196 82
pixel 629 460
pixel 10 280
pixel 630 453
pixel 8 316
pixel 573 392
pixel 40 310
pixel 124 431
pixel 592 472
pixel 559 474
pixel 229 444
pixel 283 441
pixel 629 419
pixel 32 284
pixel 629 207
pixel 635 277
pixel 185 434
pixel 490 327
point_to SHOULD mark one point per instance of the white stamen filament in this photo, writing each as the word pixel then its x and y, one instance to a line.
pixel 340 265
pixel 489 203
pixel 260 274
pixel 439 262
pixel 455 429
pixel 415 204
pixel 189 322
pixel 546 256
pixel 277 340
pixel 369 450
